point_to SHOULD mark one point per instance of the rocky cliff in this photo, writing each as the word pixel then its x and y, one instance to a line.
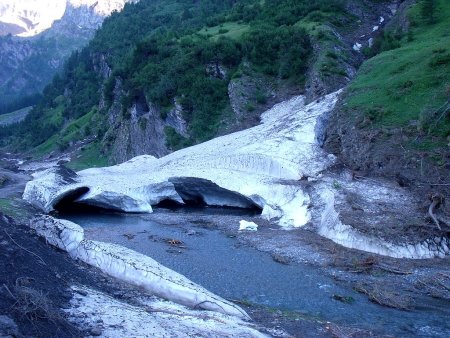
pixel 39 36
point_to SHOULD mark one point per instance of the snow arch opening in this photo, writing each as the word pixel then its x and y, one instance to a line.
pixel 198 192
pixel 67 203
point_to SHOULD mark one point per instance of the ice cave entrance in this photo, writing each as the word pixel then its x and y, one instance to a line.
pixel 195 194
pixel 200 193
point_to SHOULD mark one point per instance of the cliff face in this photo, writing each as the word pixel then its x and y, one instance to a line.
pixel 46 33
pixel 136 131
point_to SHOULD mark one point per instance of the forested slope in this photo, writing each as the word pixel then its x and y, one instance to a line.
pixel 163 75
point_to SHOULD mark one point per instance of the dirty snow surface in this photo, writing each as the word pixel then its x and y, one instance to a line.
pixel 267 167
pixel 131 267
pixel 243 169
pixel 150 317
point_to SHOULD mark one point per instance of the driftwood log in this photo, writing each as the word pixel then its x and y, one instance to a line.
pixel 437 200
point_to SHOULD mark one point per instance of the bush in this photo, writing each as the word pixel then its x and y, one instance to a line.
pixel 427 10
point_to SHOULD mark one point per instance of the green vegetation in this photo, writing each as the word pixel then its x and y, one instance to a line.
pixel 317 23
pixel 15 104
pixel 231 30
pixel 86 125
pixel 91 156
pixel 174 140
pixel 408 87
pixel 14 117
pixel 428 10
pixel 160 51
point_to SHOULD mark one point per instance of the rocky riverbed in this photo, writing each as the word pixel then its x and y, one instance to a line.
pixel 361 249
pixel 292 275
pixel 418 286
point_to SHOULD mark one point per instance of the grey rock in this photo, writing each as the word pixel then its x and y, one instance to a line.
pixel 8 327
pixel 191 232
pixel 96 331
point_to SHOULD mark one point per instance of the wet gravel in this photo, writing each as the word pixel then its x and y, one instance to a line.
pixel 194 246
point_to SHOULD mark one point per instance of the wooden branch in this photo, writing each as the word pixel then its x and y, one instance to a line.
pixel 393 270
pixel 435 201
pixel 30 252
pixel 9 291
pixel 443 220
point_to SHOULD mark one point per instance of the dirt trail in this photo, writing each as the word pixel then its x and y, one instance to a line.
pixel 13 183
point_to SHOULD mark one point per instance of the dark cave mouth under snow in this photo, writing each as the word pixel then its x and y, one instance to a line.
pixel 195 194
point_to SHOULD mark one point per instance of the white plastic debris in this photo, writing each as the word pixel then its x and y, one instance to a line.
pixel 357 47
pixel 248 226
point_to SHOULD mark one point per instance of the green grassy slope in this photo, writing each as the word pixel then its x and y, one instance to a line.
pixel 409 87
pixel 232 30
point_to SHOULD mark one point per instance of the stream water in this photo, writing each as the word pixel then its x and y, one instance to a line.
pixel 221 264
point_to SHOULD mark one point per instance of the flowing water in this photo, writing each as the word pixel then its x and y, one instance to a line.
pixel 212 259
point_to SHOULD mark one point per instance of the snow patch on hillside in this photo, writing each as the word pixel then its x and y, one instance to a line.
pixel 251 166
pixel 332 228
pixel 33 16
pixel 266 167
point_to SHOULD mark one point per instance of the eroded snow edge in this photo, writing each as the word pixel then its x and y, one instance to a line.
pixel 132 267
pixel 332 228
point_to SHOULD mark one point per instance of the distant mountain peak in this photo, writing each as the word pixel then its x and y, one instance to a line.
pixel 27 18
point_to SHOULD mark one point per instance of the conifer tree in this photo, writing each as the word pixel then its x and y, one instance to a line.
pixel 428 10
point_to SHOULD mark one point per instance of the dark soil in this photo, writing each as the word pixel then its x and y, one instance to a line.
pixel 35 280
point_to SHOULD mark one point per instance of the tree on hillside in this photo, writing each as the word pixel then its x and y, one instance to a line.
pixel 428 8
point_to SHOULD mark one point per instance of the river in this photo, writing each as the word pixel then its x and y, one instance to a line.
pixel 235 271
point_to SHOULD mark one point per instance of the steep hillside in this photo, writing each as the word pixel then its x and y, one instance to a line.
pixel 49 31
pixel 394 119
pixel 30 17
pixel 163 75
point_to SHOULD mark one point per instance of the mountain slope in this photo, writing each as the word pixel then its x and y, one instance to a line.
pixel 162 75
pixel 394 119
pixel 50 32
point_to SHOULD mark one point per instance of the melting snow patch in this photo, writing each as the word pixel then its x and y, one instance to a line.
pixel 131 267
pixel 249 167
pixel 357 47
pixel 375 28
pixel 149 317
pixel 331 227
pixel 249 226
